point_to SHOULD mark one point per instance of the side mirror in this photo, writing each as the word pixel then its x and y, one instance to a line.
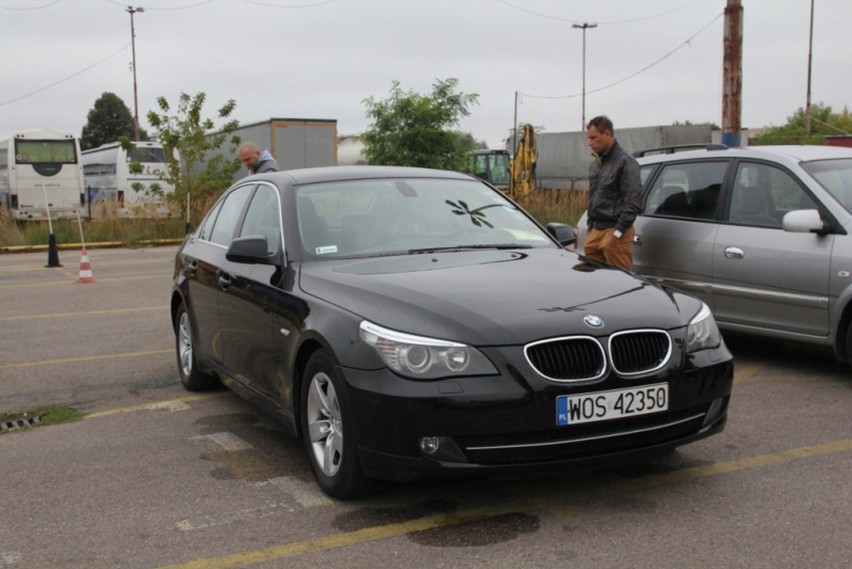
pixel 563 233
pixel 803 221
pixel 250 249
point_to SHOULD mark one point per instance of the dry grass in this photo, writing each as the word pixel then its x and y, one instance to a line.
pixel 559 205
pixel 107 224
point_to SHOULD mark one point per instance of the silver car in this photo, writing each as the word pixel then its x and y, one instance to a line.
pixel 761 234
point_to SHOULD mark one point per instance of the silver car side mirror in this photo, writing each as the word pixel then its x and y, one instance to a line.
pixel 803 221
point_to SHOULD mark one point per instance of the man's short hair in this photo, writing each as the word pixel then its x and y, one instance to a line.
pixel 601 124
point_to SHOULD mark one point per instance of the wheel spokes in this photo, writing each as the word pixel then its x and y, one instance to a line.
pixel 324 424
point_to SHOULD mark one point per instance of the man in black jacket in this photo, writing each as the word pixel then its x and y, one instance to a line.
pixel 615 197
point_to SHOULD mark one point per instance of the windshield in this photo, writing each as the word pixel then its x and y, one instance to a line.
pixel 45 151
pixel 835 176
pixel 409 216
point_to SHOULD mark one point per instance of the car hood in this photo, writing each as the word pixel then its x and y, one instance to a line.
pixel 492 297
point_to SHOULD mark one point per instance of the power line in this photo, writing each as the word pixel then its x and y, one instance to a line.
pixel 30 8
pixel 569 20
pixel 647 67
pixel 172 9
pixel 4 103
pixel 268 5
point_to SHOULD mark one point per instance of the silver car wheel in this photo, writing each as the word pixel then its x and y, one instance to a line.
pixel 325 426
pixel 185 345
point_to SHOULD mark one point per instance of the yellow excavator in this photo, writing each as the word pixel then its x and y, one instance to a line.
pixel 522 166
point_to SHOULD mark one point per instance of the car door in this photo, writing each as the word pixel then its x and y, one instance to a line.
pixel 763 276
pixel 677 227
pixel 200 262
pixel 248 294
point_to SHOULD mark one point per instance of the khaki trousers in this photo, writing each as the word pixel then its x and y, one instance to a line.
pixel 601 245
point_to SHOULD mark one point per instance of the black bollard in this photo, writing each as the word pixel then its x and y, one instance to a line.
pixel 52 252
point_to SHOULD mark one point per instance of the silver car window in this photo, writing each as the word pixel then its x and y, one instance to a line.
pixel 835 176
pixel 687 189
pixel 763 193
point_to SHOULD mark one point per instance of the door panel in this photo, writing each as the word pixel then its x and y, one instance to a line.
pixel 677 252
pixel 772 278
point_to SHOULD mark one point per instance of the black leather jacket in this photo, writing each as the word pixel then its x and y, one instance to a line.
pixel 615 190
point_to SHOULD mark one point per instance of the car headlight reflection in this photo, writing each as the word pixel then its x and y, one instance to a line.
pixel 419 357
pixel 702 332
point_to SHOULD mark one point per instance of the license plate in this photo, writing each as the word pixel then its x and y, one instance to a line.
pixel 615 404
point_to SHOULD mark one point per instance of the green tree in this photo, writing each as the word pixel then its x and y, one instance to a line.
pixel 194 147
pixel 412 129
pixel 824 123
pixel 108 120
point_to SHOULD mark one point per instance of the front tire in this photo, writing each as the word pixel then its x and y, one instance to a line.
pixel 190 376
pixel 328 431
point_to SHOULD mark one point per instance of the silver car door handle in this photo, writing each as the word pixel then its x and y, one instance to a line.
pixel 734 253
pixel 637 240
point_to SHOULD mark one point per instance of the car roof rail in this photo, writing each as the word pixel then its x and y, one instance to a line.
pixel 679 148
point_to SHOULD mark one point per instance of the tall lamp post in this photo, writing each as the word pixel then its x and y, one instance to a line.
pixel 810 59
pixel 131 10
pixel 584 26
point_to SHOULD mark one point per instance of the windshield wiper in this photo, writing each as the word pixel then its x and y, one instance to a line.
pixel 455 248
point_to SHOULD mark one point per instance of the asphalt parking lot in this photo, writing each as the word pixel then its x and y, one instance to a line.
pixel 157 477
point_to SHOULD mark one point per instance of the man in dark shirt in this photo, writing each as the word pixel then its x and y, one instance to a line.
pixel 614 197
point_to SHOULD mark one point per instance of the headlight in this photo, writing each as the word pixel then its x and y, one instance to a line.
pixel 424 358
pixel 702 332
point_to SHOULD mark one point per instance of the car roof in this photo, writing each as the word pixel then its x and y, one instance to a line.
pixel 339 173
pixel 798 153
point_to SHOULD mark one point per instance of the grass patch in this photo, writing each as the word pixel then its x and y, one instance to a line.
pixel 39 417
pixel 558 205
pixel 103 226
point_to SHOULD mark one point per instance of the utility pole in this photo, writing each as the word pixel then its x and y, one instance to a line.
pixel 733 75
pixel 584 26
pixel 132 11
pixel 810 57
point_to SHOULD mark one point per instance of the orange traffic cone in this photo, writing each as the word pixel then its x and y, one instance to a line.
pixel 85 268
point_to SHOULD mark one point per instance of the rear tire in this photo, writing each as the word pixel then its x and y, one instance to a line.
pixel 190 376
pixel 326 417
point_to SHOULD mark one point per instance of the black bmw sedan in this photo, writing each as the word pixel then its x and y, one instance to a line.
pixel 408 322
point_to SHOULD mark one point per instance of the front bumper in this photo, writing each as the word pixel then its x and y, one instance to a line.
pixel 507 423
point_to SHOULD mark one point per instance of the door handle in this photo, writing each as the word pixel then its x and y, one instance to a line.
pixel 637 240
pixel 734 253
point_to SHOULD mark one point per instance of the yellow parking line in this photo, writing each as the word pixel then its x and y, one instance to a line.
pixel 156 405
pixel 337 541
pixel 75 276
pixel 744 373
pixel 87 359
pixel 83 313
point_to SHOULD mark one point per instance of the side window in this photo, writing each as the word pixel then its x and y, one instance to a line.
pixel 206 227
pixel 645 172
pixel 689 190
pixel 263 217
pixel 229 215
pixel 762 194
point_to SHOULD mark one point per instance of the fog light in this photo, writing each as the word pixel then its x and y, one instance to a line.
pixel 429 445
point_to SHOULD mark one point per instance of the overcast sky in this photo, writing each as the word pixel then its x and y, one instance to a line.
pixel 648 62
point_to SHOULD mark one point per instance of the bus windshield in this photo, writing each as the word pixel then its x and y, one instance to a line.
pixel 45 151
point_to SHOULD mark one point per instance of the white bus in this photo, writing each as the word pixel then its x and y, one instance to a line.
pixel 41 170
pixel 112 187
